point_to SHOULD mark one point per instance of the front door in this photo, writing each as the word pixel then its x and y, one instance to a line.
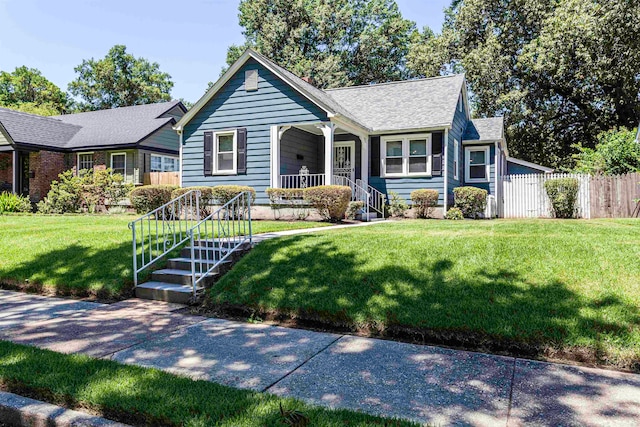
pixel 344 161
pixel 23 174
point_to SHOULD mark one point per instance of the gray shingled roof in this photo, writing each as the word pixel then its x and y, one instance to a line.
pixel 117 126
pixel 104 128
pixel 31 129
pixel 409 104
pixel 491 129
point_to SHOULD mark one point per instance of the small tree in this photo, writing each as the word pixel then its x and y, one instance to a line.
pixel 563 193
pixel 617 153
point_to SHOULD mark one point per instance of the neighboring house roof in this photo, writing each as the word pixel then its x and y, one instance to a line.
pixel 31 129
pixel 491 129
pixel 117 126
pixel 529 164
pixel 409 104
pixel 95 129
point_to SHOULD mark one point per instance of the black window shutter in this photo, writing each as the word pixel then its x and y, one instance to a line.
pixel 208 153
pixel 437 139
pixel 375 156
pixel 242 150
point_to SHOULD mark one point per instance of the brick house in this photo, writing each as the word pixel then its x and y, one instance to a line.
pixel 129 140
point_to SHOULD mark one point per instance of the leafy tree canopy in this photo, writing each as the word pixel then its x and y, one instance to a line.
pixel 26 89
pixel 617 152
pixel 561 71
pixel 119 80
pixel 336 42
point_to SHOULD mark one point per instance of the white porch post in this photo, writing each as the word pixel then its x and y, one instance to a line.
pixel 328 131
pixel 15 172
pixel 276 136
pixel 364 160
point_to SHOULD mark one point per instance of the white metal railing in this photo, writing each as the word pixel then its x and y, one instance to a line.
pixel 358 193
pixel 301 180
pixel 160 231
pixel 377 199
pixel 216 237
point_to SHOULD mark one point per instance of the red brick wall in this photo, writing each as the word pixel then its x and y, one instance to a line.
pixel 6 171
pixel 44 167
pixel 99 161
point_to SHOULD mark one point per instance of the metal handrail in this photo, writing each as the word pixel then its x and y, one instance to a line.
pixel 358 193
pixel 229 228
pixel 163 229
pixel 377 199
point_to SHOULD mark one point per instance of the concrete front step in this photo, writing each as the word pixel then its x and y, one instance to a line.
pixel 199 253
pixel 184 263
pixel 168 292
pixel 173 275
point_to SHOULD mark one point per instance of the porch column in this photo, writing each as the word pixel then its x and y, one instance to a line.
pixel 364 160
pixel 276 136
pixel 328 131
pixel 14 182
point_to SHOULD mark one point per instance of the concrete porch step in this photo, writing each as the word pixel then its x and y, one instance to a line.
pixel 184 263
pixel 200 252
pixel 168 292
pixel 176 276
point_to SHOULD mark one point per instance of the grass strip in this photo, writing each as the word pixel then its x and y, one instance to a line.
pixel 143 396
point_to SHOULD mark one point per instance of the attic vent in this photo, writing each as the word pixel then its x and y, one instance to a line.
pixel 251 80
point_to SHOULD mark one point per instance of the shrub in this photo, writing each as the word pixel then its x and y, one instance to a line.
pixel 616 153
pixel 101 185
pixel 454 214
pixel 205 201
pixel 331 201
pixel 65 195
pixel 10 202
pixel 424 202
pixel 471 201
pixel 292 198
pixel 149 197
pixel 354 209
pixel 563 193
pixel 224 193
pixel 397 205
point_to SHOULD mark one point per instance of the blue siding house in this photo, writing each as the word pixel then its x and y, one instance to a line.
pixel 262 126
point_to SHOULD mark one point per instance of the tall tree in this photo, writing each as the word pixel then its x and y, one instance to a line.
pixel 560 71
pixel 119 80
pixel 26 89
pixel 336 42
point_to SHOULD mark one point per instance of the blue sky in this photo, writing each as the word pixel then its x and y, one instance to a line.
pixel 188 38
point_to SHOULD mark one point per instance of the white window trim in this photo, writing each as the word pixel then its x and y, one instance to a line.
pixel 456 160
pixel 78 160
pixel 405 155
pixel 467 158
pixel 162 159
pixel 125 162
pixel 214 168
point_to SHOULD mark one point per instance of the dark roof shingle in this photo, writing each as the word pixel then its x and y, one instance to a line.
pixel 31 129
pixel 490 129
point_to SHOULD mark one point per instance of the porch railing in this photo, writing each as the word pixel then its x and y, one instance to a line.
pixel 377 199
pixel 301 180
pixel 217 236
pixel 160 231
pixel 358 193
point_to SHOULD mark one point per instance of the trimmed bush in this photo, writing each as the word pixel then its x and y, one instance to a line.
pixel 10 202
pixel 354 209
pixel 331 201
pixel 149 197
pixel 397 205
pixel 424 202
pixel 472 201
pixel 284 196
pixel 224 193
pixel 205 201
pixel 65 195
pixel 563 193
pixel 454 214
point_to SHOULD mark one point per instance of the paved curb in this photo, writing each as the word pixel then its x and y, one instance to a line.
pixel 21 411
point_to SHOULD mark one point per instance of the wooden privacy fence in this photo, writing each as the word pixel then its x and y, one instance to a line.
pixel 525 196
pixel 161 178
pixel 615 196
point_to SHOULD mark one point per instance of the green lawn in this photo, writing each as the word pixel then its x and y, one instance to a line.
pixel 78 254
pixel 151 397
pixel 567 289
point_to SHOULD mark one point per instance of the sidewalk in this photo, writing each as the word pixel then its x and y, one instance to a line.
pixel 423 383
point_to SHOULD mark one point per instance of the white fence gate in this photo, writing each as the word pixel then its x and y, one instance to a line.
pixel 525 196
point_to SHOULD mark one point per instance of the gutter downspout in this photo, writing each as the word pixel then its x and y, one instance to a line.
pixel 15 171
pixel 180 160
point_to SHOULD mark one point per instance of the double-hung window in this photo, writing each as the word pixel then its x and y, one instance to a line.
pixel 406 155
pixel 119 163
pixel 477 164
pixel 163 163
pixel 225 152
pixel 85 161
